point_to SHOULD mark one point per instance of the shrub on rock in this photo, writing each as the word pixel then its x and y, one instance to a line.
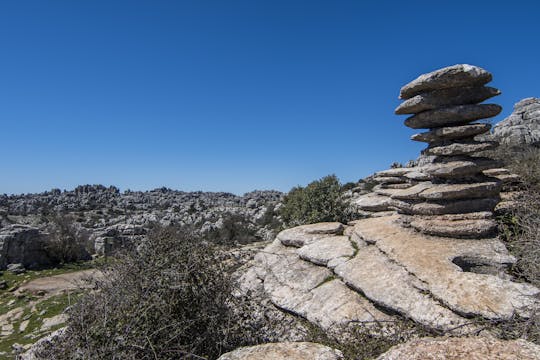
pixel 320 201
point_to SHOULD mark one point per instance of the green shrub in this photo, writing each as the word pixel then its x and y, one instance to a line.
pixel 321 200
pixel 236 229
pixel 67 241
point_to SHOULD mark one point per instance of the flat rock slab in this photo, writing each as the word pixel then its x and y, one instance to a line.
pixel 309 290
pixel 449 206
pixel 372 202
pixel 453 115
pixel 284 351
pixel 304 234
pixel 451 133
pixel 429 259
pixel 461 148
pixel 474 228
pixel 390 285
pixel 393 172
pixel 449 77
pixel 459 168
pixel 327 249
pixel 446 97
pixel 389 179
pixel 463 348
pixel 461 191
pixel 413 192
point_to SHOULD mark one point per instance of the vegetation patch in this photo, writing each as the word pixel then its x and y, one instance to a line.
pixel 320 201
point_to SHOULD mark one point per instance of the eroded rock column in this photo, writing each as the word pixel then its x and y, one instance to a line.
pixel 458 200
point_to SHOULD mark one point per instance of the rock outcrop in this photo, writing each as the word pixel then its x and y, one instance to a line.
pixel 463 348
pixel 522 127
pixel 21 244
pixel 284 351
pixel 425 248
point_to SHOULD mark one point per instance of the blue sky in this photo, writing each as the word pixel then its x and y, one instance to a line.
pixel 234 95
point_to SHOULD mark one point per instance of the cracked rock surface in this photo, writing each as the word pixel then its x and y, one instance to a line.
pixel 378 268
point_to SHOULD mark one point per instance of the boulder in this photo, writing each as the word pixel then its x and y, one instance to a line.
pixel 284 351
pixel 459 75
pixel 25 245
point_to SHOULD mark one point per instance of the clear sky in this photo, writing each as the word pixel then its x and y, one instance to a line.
pixel 234 95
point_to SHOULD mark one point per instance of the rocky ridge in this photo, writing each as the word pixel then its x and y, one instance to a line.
pixel 109 219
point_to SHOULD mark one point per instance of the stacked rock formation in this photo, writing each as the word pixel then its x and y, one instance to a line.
pixel 458 199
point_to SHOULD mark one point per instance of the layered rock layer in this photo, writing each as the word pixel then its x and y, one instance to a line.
pixel 446 102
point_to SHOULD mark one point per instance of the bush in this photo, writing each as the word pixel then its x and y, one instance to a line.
pixel 171 299
pixel 236 229
pixel 67 242
pixel 520 230
pixel 322 200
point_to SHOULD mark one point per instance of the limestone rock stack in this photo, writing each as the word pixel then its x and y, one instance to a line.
pixel 458 199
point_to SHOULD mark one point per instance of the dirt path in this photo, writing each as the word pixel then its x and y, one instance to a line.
pixel 52 285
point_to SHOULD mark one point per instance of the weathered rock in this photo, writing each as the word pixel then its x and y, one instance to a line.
pixel 391 286
pixel 16 268
pixel 522 127
pixel 461 148
pixel 430 260
pixel 453 207
pixel 454 115
pixel 306 234
pixel 418 175
pixel 451 133
pixel 311 291
pixel 385 191
pixel 284 351
pixel 459 167
pixel 463 348
pixel 413 192
pixel 459 75
pixel 476 229
pixel 446 97
pixel 372 202
pixel 461 191
pixel 322 251
pixel 23 244
pixel 397 186
pixel 395 172
pixel 388 179
pixel 495 172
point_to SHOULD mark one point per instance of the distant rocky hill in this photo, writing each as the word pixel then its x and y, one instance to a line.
pixel 522 126
pixel 110 219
